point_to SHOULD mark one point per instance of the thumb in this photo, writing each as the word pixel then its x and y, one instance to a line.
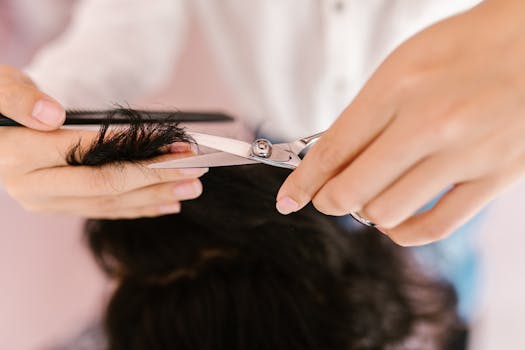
pixel 21 101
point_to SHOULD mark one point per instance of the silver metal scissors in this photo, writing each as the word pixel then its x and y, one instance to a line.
pixel 237 152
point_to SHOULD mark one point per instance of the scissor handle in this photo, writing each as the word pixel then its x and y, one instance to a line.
pixel 97 117
pixel 311 139
pixel 300 145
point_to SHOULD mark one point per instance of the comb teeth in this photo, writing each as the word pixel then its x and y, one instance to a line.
pixel 151 115
pixel 95 117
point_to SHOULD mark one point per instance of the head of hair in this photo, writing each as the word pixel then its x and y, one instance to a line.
pixel 229 272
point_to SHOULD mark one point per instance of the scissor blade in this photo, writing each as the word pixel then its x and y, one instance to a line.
pixel 236 147
pixel 204 161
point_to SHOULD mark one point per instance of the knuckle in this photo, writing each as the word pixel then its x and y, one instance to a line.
pixel 6 94
pixel 149 212
pixel 107 180
pixel 10 89
pixel 161 176
pixel 160 194
pixel 95 182
pixel 9 159
pixel 194 190
pixel 15 93
pixel 301 192
pixel 330 204
pixel 121 216
pixel 13 155
pixel 34 207
pixel 446 128
pixel 15 189
pixel 101 216
pixel 198 188
pixel 406 84
pixel 108 203
pixel 328 157
pixel 400 240
pixel 435 232
pixel 444 131
pixel 426 233
pixel 379 214
pixel 107 215
pixel 336 199
pixel 157 175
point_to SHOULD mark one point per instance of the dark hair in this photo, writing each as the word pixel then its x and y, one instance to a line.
pixel 229 272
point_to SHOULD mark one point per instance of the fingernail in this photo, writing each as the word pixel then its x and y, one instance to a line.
pixel 194 171
pixel 48 112
pixel 180 147
pixel 169 209
pixel 286 205
pixel 185 190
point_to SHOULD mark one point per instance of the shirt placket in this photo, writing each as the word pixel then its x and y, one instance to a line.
pixel 339 43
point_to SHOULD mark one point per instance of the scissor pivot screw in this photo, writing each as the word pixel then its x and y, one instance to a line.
pixel 262 148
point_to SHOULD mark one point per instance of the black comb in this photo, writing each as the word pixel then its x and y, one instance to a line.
pixel 97 117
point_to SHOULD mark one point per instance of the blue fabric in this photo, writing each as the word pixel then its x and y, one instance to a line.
pixel 456 260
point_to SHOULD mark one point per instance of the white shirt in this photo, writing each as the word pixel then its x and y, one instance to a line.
pixel 291 65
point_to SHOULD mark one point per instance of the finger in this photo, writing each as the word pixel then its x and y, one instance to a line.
pixel 162 194
pixel 159 195
pixel 29 150
pixel 21 100
pixel 32 150
pixel 385 159
pixel 411 192
pixel 453 210
pixel 357 126
pixel 426 181
pixel 133 213
pixel 111 179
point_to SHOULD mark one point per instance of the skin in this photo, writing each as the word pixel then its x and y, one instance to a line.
pixel 33 169
pixel 445 111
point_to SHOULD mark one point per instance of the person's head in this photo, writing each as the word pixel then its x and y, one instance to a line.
pixel 229 272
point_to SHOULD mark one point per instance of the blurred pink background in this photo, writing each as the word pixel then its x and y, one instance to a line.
pixel 49 286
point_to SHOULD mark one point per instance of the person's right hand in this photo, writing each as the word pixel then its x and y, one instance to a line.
pixel 34 171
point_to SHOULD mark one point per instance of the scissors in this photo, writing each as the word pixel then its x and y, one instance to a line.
pixel 237 152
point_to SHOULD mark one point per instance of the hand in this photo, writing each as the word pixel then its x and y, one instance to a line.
pixel 34 171
pixel 21 100
pixel 444 112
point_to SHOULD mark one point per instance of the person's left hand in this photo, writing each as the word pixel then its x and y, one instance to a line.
pixel 445 111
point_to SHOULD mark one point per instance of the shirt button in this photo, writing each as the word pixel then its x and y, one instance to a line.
pixel 339 6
